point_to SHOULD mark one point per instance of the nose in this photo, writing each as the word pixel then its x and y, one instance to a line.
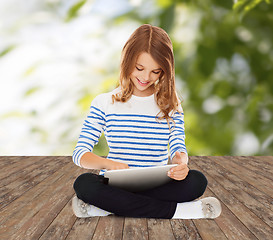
pixel 146 75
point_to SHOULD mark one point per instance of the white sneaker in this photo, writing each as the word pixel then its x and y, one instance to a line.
pixel 85 210
pixel 80 208
pixel 211 207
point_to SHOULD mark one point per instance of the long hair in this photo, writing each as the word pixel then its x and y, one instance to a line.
pixel 156 42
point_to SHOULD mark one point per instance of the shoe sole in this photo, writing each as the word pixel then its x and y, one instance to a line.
pixel 216 205
pixel 75 208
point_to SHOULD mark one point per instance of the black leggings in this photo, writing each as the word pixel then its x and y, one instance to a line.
pixel 159 202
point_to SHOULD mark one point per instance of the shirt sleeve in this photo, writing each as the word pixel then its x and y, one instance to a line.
pixel 177 135
pixel 91 131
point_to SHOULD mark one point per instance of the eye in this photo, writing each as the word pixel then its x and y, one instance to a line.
pixel 139 69
pixel 156 72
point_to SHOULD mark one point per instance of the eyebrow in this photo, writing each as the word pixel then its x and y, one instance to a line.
pixel 153 70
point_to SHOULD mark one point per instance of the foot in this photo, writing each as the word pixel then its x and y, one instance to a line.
pixel 85 210
pixel 211 207
pixel 80 208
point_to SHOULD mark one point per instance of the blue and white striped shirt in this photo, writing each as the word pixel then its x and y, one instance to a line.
pixel 133 132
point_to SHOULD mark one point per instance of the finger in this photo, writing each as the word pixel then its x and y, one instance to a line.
pixel 179 176
pixel 181 173
pixel 178 156
pixel 179 168
pixel 182 177
pixel 183 158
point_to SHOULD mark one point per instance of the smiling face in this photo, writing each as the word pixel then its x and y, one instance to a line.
pixel 146 72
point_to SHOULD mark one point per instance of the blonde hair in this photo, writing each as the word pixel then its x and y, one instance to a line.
pixel 156 42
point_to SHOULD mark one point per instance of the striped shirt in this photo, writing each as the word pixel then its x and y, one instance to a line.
pixel 133 131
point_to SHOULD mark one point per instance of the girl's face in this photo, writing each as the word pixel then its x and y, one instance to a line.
pixel 144 75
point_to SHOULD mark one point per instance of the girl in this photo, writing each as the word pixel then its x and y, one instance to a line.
pixel 140 120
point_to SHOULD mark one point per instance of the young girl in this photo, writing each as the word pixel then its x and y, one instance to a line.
pixel 141 119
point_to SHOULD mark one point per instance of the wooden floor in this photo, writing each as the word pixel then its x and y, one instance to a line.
pixel 36 195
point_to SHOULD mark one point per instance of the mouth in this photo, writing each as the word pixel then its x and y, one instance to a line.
pixel 142 83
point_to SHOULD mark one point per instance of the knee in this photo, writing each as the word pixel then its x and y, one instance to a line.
pixel 87 185
pixel 200 181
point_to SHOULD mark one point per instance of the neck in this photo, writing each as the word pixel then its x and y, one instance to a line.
pixel 150 91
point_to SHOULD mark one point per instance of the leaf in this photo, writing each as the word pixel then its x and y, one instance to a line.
pixel 7 50
pixel 167 18
pixel 73 11
pixel 164 3
pixel 30 70
pixel 31 91
pixel 241 7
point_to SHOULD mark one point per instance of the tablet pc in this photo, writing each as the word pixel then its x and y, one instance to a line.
pixel 139 179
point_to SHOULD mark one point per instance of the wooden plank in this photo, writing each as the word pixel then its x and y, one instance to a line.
pixel 250 197
pixel 230 225
pixel 266 159
pixel 83 229
pixel 260 229
pixel 269 159
pixel 61 225
pixel 3 161
pixel 110 227
pixel 23 173
pixel 43 210
pixel 34 192
pixel 8 160
pixel 255 163
pixel 246 209
pixel 19 211
pixel 260 182
pixel 31 178
pixel 184 229
pixel 241 181
pixel 208 229
pixel 28 172
pixel 135 228
pixel 261 168
pixel 205 229
pixel 19 165
pixel 160 229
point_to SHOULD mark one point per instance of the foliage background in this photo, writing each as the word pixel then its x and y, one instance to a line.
pixel 56 56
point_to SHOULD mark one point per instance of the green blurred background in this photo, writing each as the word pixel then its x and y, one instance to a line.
pixel 56 56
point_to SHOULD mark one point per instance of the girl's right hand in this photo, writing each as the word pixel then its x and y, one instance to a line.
pixel 112 165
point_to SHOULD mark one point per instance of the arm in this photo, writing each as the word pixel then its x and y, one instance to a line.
pixel 90 160
pixel 91 131
pixel 178 149
pixel 177 135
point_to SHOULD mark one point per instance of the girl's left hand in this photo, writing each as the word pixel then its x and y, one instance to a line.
pixel 181 171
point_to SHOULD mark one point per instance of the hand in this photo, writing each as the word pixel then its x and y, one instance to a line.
pixel 181 171
pixel 113 165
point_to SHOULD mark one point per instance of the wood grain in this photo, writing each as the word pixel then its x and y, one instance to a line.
pixel 36 193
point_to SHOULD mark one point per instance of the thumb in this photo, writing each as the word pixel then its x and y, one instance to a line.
pixel 182 157
pixel 178 157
